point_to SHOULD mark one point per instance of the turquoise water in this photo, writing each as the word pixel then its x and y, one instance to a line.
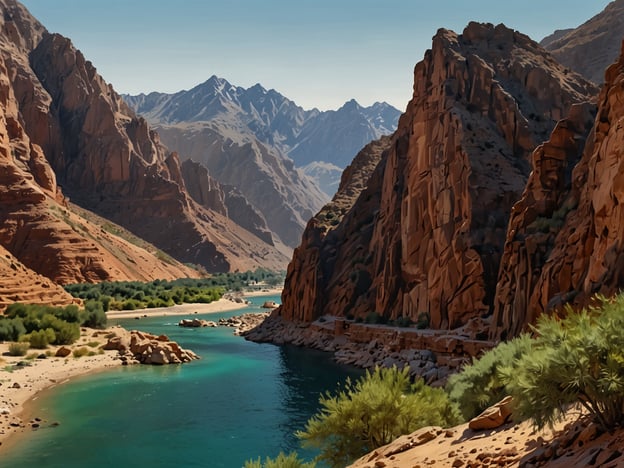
pixel 240 401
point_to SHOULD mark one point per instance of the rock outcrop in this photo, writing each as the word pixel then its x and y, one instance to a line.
pixel 591 47
pixel 65 124
pixel 147 348
pixel 581 253
pixel 425 236
pixel 41 229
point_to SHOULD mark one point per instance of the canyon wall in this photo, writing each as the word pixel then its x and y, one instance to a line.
pixel 425 237
pixel 580 253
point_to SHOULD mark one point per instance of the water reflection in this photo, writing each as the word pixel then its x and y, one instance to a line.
pixel 304 375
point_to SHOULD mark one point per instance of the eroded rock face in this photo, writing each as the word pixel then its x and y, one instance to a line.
pixel 65 125
pixel 587 254
pixel 224 199
pixel 426 235
pixel 536 220
pixel 20 284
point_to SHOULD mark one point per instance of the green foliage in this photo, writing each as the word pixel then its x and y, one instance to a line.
pixel 372 412
pixel 577 359
pixel 94 315
pixel 403 322
pixel 11 329
pixel 423 320
pixel 80 352
pixel 483 383
pixel 40 339
pixel 18 348
pixel 282 461
pixel 42 325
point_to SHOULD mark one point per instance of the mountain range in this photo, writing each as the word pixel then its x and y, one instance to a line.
pixel 322 143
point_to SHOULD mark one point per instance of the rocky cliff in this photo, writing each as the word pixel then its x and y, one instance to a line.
pixel 578 252
pixel 224 199
pixel 65 124
pixel 591 47
pixel 425 237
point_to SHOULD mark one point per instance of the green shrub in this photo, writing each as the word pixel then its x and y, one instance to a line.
pixel 40 339
pixel 483 383
pixel 18 348
pixel 403 322
pixel 372 412
pixel 11 329
pixel 423 320
pixel 375 317
pixel 282 461
pixel 94 315
pixel 578 359
pixel 80 352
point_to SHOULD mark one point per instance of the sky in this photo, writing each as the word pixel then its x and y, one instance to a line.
pixel 318 53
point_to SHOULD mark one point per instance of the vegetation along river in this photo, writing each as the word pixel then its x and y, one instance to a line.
pixel 240 401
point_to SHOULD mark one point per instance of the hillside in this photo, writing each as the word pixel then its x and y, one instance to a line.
pixel 591 47
pixel 63 126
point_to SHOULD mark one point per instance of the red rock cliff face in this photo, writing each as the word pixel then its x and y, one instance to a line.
pixel 431 223
pixel 106 158
pixel 583 254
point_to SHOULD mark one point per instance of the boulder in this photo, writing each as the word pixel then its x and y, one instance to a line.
pixel 64 351
pixel 493 417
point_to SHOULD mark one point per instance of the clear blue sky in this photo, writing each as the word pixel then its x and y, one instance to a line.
pixel 319 53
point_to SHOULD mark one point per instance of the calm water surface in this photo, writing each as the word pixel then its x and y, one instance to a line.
pixel 240 401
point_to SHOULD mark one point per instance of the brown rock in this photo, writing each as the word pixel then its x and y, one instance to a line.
pixel 425 237
pixel 63 351
pixel 493 417
pixel 584 255
pixel 590 48
pixel 60 117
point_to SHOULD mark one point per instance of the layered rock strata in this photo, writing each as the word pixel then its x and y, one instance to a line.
pixel 424 238
pixel 430 354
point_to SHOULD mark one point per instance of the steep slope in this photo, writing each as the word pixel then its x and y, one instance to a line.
pixel 40 228
pixel 20 284
pixel 106 159
pixel 308 137
pixel 270 182
pixel 581 252
pixel 426 235
pixel 590 48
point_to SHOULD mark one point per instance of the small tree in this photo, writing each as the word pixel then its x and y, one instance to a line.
pixel 578 359
pixel 372 412
pixel 483 383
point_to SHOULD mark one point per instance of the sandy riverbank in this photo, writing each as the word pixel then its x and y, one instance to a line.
pixel 222 305
pixel 20 385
